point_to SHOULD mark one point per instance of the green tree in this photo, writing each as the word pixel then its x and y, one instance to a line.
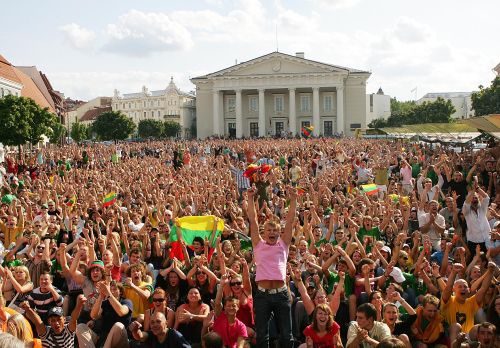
pixel 438 111
pixel 113 125
pixel 378 123
pixel 150 128
pixel 487 100
pixel 79 132
pixel 171 129
pixel 58 132
pixel 22 120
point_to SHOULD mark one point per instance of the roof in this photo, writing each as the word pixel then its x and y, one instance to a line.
pixel 489 123
pixel 446 95
pixel 31 90
pixel 170 88
pixel 429 128
pixel 282 55
pixel 37 78
pixel 7 71
pixel 92 114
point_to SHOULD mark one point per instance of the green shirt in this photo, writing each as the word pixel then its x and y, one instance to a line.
pixel 363 233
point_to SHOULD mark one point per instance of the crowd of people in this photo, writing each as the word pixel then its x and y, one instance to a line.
pixel 326 243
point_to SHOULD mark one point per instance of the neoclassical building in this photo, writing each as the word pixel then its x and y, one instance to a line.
pixel 277 94
pixel 169 104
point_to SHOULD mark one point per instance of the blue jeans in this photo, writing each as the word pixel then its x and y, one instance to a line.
pixel 278 304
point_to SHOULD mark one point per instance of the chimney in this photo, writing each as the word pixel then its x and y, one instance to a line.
pixel 299 54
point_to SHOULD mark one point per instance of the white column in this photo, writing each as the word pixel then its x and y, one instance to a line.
pixel 340 109
pixel 316 124
pixel 262 113
pixel 216 116
pixel 239 115
pixel 292 117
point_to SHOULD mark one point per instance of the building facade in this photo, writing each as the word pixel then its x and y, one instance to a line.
pixel 81 113
pixel 277 94
pixel 170 104
pixel 461 101
pixel 9 81
pixel 378 106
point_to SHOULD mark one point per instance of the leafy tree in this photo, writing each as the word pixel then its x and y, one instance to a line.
pixel 171 129
pixel 79 132
pixel 58 131
pixel 408 112
pixel 150 128
pixel 22 120
pixel 487 100
pixel 378 123
pixel 113 125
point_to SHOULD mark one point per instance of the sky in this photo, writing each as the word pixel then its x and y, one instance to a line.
pixel 90 48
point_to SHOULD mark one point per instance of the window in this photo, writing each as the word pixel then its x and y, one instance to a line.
pixel 231 129
pixel 327 103
pixel 371 102
pixel 144 114
pixel 123 106
pixel 231 104
pixel 158 112
pixel 130 105
pixel 305 124
pixel 278 103
pixel 116 105
pixel 158 105
pixel 355 125
pixel 254 129
pixel 305 103
pixel 152 114
pixel 151 103
pixel 328 128
pixel 144 103
pixel 253 103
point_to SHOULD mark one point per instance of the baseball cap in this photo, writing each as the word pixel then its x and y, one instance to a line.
pixel 57 311
pixel 386 249
pixel 397 275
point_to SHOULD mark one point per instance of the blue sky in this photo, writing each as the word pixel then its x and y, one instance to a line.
pixel 89 48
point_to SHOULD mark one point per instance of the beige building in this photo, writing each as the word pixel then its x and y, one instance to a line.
pixel 277 94
pixel 170 104
pixel 496 69
pixel 82 112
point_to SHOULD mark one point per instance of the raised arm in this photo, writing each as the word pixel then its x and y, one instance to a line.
pixel 287 234
pixel 252 217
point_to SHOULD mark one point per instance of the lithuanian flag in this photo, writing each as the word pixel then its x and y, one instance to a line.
pixel 306 131
pixel 71 201
pixel 109 199
pixel 369 189
pixel 191 227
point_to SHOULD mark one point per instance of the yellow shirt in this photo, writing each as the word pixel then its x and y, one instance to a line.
pixel 10 233
pixel 455 312
pixel 139 304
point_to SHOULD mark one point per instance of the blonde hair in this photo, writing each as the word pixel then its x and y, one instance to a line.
pixel 25 270
pixel 16 326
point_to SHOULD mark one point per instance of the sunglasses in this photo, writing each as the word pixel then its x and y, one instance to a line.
pixel 38 225
pixel 40 248
pixel 235 283
pixel 159 300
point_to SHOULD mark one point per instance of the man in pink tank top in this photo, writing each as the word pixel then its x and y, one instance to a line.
pixel 271 254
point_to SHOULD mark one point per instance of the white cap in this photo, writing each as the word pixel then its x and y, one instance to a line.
pixel 397 275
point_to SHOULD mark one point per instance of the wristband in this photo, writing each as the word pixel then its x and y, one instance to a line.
pixel 437 278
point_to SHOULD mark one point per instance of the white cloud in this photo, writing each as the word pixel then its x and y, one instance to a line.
pixel 409 30
pixel 140 34
pixel 78 36
pixel 125 82
pixel 335 3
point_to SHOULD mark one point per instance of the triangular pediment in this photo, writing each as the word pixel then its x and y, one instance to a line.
pixel 278 63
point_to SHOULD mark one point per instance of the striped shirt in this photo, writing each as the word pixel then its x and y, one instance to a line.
pixel 241 181
pixel 43 301
pixel 66 339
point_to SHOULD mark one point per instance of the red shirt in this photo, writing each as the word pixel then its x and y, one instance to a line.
pixel 325 341
pixel 229 333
